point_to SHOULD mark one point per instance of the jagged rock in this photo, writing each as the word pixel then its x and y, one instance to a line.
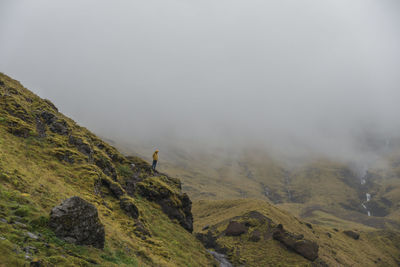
pixel 207 239
pixel 114 187
pixel 106 166
pixel 40 128
pixel 308 249
pixel 48 117
pixel 166 192
pixel 129 207
pixel 80 145
pixel 255 236
pixel 32 235
pixel 235 229
pixel 352 234
pixel 60 127
pixel 77 221
pixel 55 125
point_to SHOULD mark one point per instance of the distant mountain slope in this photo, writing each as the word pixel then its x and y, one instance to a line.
pixel 254 241
pixel 46 157
pixel 322 191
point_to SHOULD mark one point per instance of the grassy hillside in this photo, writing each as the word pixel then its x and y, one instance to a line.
pixel 321 191
pixel 373 248
pixel 45 158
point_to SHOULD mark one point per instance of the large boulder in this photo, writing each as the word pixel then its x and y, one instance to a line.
pixel 308 249
pixel 77 221
pixel 352 234
pixel 235 229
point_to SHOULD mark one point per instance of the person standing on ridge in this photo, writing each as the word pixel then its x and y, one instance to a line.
pixel 155 159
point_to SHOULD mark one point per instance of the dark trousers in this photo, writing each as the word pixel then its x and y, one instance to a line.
pixel 154 165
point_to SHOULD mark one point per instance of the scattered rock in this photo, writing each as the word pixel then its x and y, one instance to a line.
pixel 2 238
pixel 77 221
pixel 309 225
pixel 129 207
pixel 235 229
pixel 3 220
pixel 205 227
pixel 352 234
pixel 255 236
pixel 335 229
pixel 329 235
pixel 308 249
pixel 21 225
pixel 30 250
pixel 32 235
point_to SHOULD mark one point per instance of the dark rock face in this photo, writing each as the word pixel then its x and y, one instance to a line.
pixel 235 229
pixel 48 117
pixel 352 234
pixel 180 210
pixel 77 221
pixel 80 145
pixel 106 166
pixel 55 125
pixel 308 249
pixel 182 213
pixel 129 207
pixel 114 187
pixel 40 128
pixel 60 127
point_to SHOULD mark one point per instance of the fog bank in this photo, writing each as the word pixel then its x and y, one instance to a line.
pixel 298 77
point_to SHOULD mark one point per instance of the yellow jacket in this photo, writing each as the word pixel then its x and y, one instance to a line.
pixel 155 155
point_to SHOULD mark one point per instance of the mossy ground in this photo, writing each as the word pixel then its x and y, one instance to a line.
pixel 38 172
pixel 374 248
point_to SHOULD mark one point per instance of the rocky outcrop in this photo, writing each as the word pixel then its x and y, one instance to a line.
pixel 235 229
pixel 166 192
pixel 55 124
pixel 127 205
pixel 82 146
pixel 308 249
pixel 114 187
pixel 352 234
pixel 76 221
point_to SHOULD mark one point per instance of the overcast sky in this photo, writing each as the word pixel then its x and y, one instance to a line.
pixel 306 73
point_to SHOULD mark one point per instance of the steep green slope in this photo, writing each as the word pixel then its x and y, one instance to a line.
pixel 46 157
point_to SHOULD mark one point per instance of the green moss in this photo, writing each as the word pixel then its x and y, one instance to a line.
pixel 125 171
pixel 37 174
